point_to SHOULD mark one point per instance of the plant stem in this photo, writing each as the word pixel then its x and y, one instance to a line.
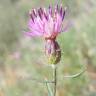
pixel 55 79
pixel 49 89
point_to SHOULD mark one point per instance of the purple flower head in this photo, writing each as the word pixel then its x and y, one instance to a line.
pixel 46 22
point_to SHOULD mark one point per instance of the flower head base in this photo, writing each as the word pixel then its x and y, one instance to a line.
pixel 46 23
pixel 52 51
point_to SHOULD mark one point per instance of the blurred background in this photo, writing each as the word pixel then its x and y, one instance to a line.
pixel 23 58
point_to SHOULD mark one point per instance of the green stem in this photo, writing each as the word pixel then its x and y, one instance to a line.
pixel 49 89
pixel 55 79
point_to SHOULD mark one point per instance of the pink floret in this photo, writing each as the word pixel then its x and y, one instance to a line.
pixel 46 22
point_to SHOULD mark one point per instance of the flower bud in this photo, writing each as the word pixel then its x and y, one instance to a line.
pixel 52 51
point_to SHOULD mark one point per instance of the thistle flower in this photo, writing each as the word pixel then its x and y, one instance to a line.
pixel 47 23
